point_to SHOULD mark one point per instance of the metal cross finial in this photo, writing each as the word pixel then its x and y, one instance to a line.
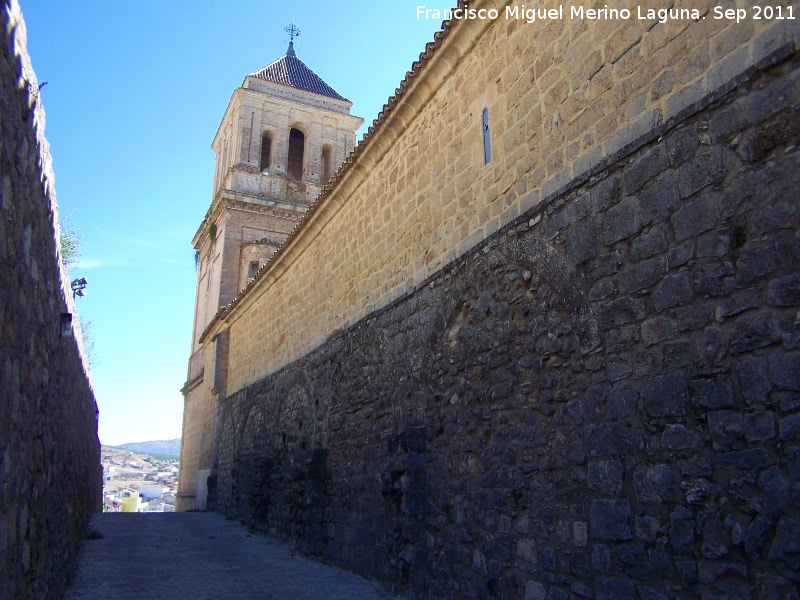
pixel 292 31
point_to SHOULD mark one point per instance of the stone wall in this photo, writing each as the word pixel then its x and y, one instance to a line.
pixel 563 97
pixel 599 400
pixel 49 453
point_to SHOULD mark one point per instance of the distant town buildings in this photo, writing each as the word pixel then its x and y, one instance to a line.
pixel 135 482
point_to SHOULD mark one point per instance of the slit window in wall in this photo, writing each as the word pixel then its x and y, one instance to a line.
pixel 487 144
pixel 327 164
pixel 296 148
pixel 266 151
pixel 252 270
pixel 66 325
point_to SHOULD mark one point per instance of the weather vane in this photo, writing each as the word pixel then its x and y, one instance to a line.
pixel 292 31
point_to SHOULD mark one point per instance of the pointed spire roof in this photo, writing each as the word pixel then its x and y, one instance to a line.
pixel 290 70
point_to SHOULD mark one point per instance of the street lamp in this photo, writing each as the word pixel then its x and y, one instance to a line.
pixel 79 287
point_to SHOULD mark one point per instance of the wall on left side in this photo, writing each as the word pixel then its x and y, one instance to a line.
pixel 50 476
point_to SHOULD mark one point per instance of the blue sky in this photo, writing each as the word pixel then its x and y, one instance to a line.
pixel 135 92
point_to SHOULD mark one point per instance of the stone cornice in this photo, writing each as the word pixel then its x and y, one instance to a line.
pixel 244 95
pixel 418 87
pixel 285 92
pixel 251 96
pixel 259 98
pixel 240 201
pixel 192 383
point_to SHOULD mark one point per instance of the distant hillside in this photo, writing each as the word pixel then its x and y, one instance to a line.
pixel 160 447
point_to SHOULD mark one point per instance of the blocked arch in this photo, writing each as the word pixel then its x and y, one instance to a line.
pixel 251 454
pixel 542 260
pixel 326 164
pixel 265 162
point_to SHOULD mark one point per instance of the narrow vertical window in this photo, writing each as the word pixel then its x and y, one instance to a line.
pixel 253 269
pixel 66 325
pixel 327 164
pixel 266 150
pixel 296 149
pixel 487 144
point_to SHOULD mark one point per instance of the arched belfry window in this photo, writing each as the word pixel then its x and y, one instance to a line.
pixel 266 153
pixel 297 143
pixel 326 169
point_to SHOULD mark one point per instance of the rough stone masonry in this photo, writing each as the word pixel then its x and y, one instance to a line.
pixel 50 477
pixel 599 401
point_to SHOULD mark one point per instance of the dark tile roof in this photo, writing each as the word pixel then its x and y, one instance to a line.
pixel 290 70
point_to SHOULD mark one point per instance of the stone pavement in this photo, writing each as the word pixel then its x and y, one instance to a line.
pixel 199 556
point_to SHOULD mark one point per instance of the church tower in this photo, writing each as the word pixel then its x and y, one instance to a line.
pixel 283 136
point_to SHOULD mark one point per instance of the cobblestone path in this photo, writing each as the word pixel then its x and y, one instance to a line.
pixel 200 556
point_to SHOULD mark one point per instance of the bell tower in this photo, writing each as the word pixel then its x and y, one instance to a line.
pixel 284 134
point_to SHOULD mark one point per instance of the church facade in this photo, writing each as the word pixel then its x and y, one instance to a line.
pixel 538 336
